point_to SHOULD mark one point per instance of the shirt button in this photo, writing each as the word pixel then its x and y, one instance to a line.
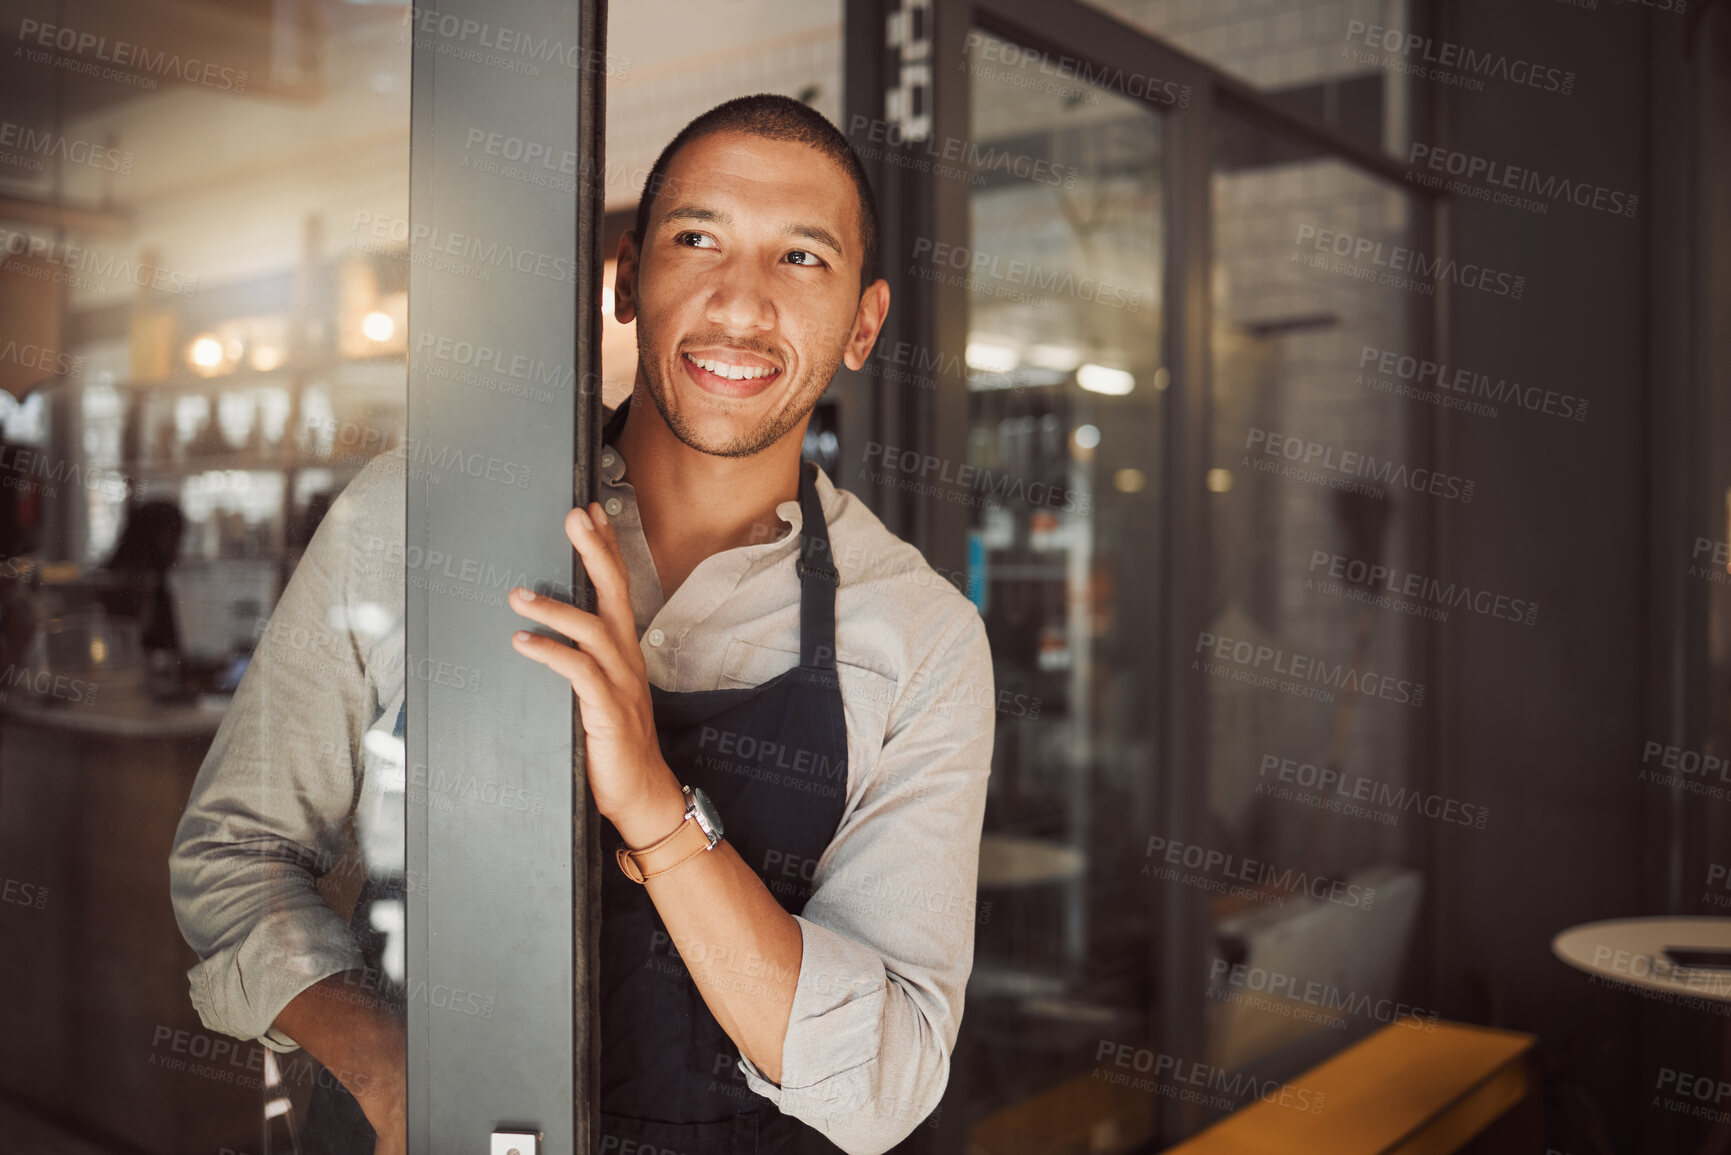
pixel 613 505
pixel 656 637
pixel 607 458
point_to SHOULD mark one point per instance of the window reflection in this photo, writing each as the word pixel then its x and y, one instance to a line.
pixel 1065 377
pixel 213 367
pixel 1311 685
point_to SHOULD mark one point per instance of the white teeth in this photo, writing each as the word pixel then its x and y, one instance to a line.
pixel 731 372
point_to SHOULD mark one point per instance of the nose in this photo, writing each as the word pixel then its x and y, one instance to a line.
pixel 739 300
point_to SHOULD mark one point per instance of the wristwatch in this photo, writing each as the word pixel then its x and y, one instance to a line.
pixel 698 831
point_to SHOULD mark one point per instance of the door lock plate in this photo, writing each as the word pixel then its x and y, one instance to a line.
pixel 515 1143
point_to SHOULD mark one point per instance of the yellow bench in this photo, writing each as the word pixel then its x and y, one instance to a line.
pixel 1401 1091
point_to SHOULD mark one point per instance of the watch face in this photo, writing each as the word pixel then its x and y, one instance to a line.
pixel 707 814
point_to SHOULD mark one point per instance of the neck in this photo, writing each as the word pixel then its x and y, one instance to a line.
pixel 694 504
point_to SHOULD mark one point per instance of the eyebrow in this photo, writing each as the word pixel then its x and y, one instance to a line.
pixel 710 216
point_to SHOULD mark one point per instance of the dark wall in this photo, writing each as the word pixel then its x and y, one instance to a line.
pixel 1545 725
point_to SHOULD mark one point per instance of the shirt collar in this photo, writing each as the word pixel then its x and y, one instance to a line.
pixel 613 469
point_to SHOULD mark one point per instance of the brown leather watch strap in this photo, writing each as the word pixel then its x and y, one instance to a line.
pixel 685 843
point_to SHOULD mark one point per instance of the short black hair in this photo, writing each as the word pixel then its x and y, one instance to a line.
pixel 774 117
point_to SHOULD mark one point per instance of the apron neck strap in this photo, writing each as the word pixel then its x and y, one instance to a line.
pixel 818 577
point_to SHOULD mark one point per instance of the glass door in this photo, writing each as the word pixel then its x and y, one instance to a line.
pixel 1107 324
pixel 1031 198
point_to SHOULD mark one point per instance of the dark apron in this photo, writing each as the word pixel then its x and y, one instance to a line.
pixel 773 759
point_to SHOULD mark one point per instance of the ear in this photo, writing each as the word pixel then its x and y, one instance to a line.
pixel 625 279
pixel 868 322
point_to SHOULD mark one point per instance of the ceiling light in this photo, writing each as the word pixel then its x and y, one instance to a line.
pixel 378 326
pixel 205 352
pixel 1100 379
pixel 1063 358
pixel 989 358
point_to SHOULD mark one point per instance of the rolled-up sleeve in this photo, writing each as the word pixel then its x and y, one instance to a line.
pixel 888 933
pixel 266 816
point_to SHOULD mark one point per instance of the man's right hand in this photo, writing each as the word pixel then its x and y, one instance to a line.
pixel 347 1023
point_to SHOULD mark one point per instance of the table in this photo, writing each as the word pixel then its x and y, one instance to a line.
pixel 1627 950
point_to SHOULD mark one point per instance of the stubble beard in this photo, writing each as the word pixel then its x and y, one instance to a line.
pixel 810 387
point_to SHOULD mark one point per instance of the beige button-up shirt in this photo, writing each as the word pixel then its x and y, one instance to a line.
pixel 888 930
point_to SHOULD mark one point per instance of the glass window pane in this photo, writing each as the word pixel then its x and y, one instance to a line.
pixel 1319 58
pixel 204 232
pixel 1316 593
pixel 1065 376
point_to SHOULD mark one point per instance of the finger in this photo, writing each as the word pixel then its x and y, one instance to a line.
pixel 594 690
pixel 585 629
pixel 596 543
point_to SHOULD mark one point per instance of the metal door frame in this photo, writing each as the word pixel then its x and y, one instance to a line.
pixel 502 954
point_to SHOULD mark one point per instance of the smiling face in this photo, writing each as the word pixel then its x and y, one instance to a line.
pixel 746 290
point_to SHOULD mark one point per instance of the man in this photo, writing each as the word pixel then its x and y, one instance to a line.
pixel 744 606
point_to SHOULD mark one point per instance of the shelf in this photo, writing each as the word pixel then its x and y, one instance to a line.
pixel 241 461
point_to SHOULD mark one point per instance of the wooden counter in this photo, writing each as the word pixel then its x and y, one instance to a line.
pixel 97 1012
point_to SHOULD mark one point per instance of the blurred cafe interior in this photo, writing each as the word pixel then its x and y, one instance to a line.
pixel 1495 820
